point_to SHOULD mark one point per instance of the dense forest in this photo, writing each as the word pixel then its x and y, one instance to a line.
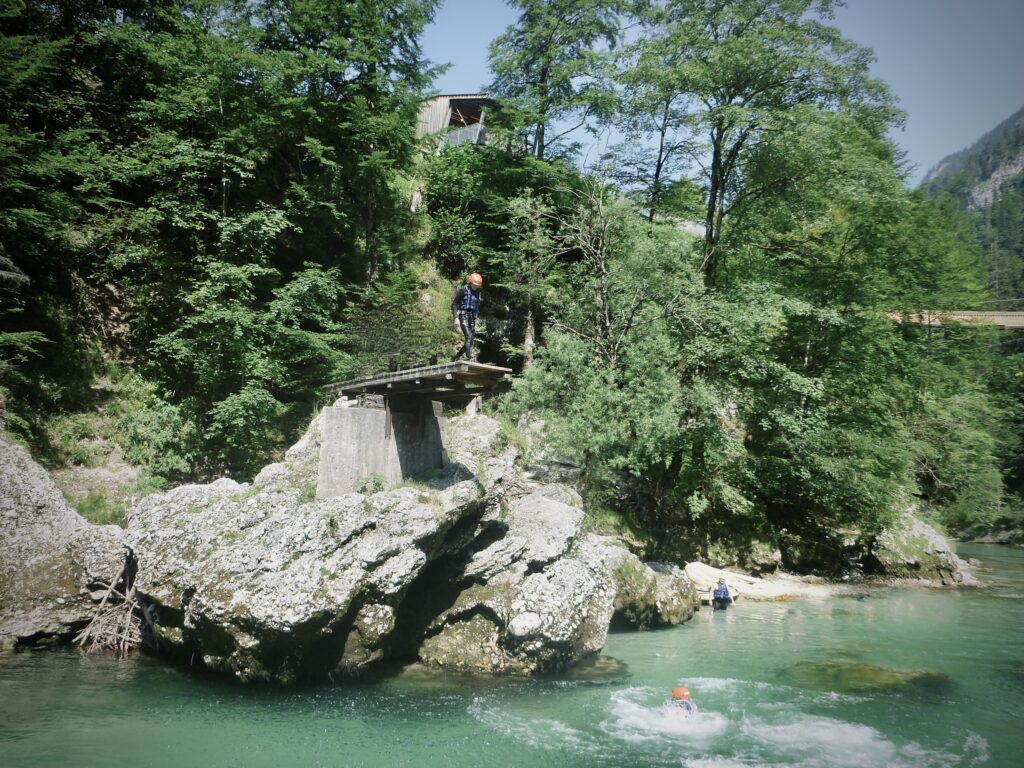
pixel 986 183
pixel 206 215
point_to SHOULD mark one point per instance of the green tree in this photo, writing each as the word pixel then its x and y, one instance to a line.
pixel 747 66
pixel 844 245
pixel 528 263
pixel 547 66
pixel 193 187
pixel 607 380
pixel 492 211
pixel 652 112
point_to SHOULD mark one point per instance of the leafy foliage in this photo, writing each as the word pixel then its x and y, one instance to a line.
pixel 784 405
pixel 547 67
pixel 215 195
pixel 197 185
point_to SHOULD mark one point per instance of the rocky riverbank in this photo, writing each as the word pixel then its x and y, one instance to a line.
pixel 478 569
pixel 53 564
pixel 482 568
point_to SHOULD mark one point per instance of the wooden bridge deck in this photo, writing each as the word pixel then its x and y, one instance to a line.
pixel 446 381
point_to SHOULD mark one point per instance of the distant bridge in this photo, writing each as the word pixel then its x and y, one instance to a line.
pixel 930 317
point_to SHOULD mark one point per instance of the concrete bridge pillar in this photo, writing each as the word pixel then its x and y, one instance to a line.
pixel 395 442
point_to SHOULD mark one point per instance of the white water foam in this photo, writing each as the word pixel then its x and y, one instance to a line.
pixel 754 735
pixel 637 715
pixel 978 745
pixel 538 732
pixel 819 742
pixel 717 684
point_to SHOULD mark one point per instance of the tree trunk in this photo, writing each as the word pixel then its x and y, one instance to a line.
pixel 711 222
pixel 538 136
pixel 528 339
pixel 659 165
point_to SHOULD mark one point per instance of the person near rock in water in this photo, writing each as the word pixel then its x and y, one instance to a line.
pixel 721 598
pixel 465 308
pixel 681 703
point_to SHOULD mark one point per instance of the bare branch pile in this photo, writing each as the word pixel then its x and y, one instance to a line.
pixel 117 624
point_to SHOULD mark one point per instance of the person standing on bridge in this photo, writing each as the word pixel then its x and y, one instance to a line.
pixel 465 308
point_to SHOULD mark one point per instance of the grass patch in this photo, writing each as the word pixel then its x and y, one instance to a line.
pixel 510 436
pixel 78 438
pixel 108 505
pixel 249 493
pixel 98 509
pixel 604 521
pixel 307 493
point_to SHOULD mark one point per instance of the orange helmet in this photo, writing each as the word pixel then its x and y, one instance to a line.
pixel 475 279
pixel 681 692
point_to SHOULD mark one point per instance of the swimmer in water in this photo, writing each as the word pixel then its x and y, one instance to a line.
pixel 681 703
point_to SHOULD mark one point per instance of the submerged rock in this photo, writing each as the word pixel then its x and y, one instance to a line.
pixel 54 565
pixel 854 677
pixel 477 570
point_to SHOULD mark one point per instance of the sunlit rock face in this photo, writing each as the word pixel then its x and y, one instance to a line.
pixel 912 548
pixel 53 564
pixel 477 569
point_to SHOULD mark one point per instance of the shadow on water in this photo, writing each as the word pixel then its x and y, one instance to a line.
pixel 597 669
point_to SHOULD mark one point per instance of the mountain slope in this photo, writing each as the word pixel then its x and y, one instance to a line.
pixel 977 175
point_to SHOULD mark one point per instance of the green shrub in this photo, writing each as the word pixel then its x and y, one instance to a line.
pixel 152 432
pixel 371 484
pixel 75 438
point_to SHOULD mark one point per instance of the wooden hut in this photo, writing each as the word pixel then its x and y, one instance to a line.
pixel 457 117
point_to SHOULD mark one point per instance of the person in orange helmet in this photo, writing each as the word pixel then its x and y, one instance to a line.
pixel 681 703
pixel 465 308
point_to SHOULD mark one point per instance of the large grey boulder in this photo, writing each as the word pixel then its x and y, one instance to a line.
pixel 265 583
pixel 529 605
pixel 541 597
pixel 477 448
pixel 536 623
pixel 910 548
pixel 646 594
pixel 53 564
pixel 475 570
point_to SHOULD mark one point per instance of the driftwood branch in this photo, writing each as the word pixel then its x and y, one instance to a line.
pixel 117 624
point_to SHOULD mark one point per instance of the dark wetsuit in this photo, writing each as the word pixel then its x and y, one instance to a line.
pixel 466 307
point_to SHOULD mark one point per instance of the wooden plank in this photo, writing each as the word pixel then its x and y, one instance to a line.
pixel 423 376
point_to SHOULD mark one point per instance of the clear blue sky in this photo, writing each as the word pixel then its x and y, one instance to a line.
pixel 956 66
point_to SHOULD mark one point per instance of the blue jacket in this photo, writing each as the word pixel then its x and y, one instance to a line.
pixel 722 592
pixel 466 300
pixel 687 706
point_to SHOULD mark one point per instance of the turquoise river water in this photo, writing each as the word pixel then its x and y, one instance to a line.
pixel 907 677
